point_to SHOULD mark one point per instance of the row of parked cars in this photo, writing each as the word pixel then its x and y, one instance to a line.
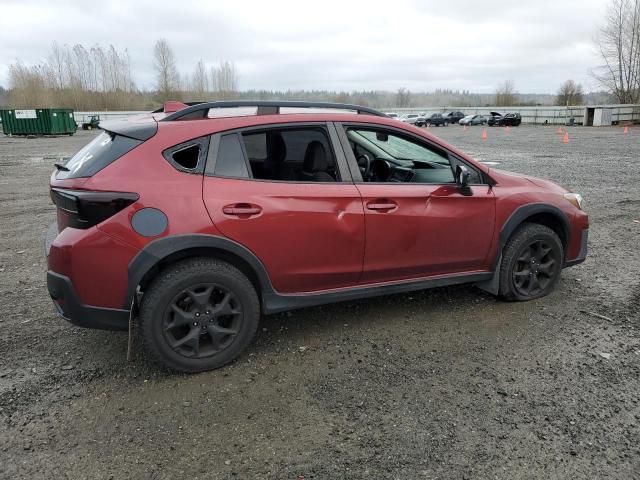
pixel 452 118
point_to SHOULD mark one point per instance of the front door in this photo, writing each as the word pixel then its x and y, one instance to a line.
pixel 418 222
pixel 285 194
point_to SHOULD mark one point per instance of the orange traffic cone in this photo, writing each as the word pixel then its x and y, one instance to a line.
pixel 464 129
pixel 506 129
pixel 565 139
pixel 559 132
pixel 484 134
pixel 626 130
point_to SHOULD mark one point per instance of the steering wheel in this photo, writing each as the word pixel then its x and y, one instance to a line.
pixel 364 163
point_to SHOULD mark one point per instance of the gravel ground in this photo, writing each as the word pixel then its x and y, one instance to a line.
pixel 443 384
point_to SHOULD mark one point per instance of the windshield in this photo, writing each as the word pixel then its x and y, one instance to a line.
pixel 400 149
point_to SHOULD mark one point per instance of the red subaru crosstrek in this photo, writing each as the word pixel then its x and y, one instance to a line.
pixel 199 219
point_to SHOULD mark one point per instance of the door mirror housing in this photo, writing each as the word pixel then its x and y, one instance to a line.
pixel 462 176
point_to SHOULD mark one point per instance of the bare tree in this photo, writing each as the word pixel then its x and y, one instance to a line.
pixel 619 44
pixel 224 80
pixel 570 93
pixel 403 98
pixel 165 65
pixel 506 94
pixel 200 80
pixel 28 86
pixel 76 77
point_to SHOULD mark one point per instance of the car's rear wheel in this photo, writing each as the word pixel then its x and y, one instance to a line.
pixel 198 315
pixel 531 263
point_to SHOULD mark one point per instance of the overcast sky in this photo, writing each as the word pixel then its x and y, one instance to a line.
pixel 337 45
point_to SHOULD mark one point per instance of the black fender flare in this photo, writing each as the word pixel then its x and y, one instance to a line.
pixel 157 250
pixel 523 212
pixel 517 217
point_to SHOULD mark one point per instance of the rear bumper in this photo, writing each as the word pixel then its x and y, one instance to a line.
pixel 582 254
pixel 71 309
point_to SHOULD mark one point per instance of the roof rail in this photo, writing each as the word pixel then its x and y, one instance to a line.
pixel 201 110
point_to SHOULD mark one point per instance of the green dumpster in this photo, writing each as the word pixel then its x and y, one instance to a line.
pixel 39 121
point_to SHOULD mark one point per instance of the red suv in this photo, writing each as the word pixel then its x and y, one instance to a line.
pixel 200 219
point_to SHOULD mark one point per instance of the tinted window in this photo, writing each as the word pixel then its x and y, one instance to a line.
pixel 100 152
pixel 279 154
pixel 187 157
pixel 230 161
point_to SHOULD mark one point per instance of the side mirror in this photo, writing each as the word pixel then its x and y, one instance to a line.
pixel 462 176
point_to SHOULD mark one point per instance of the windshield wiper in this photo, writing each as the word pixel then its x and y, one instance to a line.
pixel 59 166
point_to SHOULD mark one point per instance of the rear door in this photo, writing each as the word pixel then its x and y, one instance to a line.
pixel 421 225
pixel 286 194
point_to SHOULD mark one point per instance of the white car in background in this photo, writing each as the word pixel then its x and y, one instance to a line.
pixel 473 120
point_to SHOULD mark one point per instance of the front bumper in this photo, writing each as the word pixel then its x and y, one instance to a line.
pixel 582 254
pixel 69 307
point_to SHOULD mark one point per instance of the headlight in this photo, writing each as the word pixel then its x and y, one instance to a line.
pixel 574 198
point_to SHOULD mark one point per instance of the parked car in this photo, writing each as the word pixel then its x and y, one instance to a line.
pixel 473 120
pixel 454 117
pixel 436 119
pixel 194 227
pixel 500 120
pixel 410 118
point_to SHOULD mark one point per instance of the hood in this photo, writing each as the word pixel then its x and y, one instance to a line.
pixel 518 178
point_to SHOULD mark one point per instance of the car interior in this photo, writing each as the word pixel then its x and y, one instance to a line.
pixel 305 155
pixel 386 157
pixel 291 155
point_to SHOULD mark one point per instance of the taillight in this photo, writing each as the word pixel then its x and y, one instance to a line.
pixel 84 208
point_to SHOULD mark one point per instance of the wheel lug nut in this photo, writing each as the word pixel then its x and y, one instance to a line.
pixel 195 324
pixel 207 312
pixel 197 314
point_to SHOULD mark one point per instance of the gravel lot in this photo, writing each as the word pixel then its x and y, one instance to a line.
pixel 448 384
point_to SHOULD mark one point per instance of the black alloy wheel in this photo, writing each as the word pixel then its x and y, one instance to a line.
pixel 198 314
pixel 535 268
pixel 531 263
pixel 202 320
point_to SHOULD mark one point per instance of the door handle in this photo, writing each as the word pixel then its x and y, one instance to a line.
pixel 384 205
pixel 241 209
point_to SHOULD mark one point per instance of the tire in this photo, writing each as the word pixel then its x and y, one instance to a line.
pixel 522 276
pixel 179 307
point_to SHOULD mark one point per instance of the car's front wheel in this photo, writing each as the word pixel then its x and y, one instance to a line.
pixel 198 315
pixel 531 263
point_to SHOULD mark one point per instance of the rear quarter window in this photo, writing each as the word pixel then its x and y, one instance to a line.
pixel 97 154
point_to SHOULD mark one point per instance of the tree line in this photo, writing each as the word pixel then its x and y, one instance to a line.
pixel 101 78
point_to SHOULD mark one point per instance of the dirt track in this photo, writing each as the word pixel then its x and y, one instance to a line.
pixel 448 383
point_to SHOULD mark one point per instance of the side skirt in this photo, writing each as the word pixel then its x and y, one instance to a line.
pixel 274 302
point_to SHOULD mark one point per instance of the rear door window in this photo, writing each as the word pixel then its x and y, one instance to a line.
pixel 231 161
pixel 299 154
pixel 100 152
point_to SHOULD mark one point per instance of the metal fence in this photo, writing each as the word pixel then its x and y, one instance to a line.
pixel 540 115
pixel 532 115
